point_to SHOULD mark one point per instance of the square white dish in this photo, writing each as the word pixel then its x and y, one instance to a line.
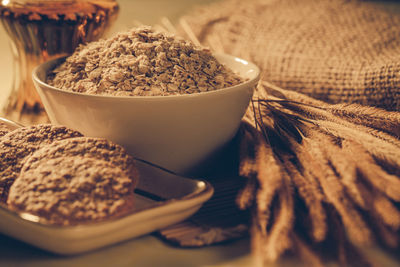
pixel 162 198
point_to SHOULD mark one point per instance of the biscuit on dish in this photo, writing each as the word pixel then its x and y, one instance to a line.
pixel 21 142
pixel 69 190
pixel 4 128
pixel 99 148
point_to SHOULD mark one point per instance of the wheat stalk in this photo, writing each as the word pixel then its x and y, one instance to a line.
pixel 371 172
pixel 386 211
pixel 335 193
pixel 328 160
pixel 278 239
pixel 247 150
pixel 270 180
pixel 342 126
pixel 368 116
pixel 313 200
pixel 248 165
pixel 305 252
pixel 245 197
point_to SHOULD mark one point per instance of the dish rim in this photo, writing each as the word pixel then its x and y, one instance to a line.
pixel 53 63
pixel 204 190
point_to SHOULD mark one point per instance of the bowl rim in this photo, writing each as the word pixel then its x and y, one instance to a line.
pixel 246 83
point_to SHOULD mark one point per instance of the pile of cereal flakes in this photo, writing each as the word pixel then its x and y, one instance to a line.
pixel 142 62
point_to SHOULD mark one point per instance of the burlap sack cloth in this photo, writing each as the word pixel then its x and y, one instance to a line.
pixel 336 51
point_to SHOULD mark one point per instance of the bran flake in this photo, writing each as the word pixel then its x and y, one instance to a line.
pixel 142 62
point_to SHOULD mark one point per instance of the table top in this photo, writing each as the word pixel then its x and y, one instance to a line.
pixel 147 250
pixel 144 251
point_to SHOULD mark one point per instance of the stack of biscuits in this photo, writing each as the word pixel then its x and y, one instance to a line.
pixel 60 176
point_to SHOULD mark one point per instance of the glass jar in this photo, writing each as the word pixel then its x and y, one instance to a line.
pixel 41 30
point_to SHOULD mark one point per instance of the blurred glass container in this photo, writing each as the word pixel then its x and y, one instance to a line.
pixel 41 30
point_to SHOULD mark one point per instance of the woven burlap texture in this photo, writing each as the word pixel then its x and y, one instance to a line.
pixel 336 51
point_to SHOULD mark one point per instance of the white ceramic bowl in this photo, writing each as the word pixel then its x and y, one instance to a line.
pixel 176 132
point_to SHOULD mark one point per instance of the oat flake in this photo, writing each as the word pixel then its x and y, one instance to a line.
pixel 142 62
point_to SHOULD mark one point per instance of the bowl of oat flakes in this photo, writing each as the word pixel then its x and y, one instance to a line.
pixel 161 97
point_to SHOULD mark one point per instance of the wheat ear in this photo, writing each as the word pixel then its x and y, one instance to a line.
pixel 278 239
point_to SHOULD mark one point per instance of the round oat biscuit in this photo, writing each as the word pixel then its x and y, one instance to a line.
pixel 99 148
pixel 72 190
pixel 4 128
pixel 16 145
